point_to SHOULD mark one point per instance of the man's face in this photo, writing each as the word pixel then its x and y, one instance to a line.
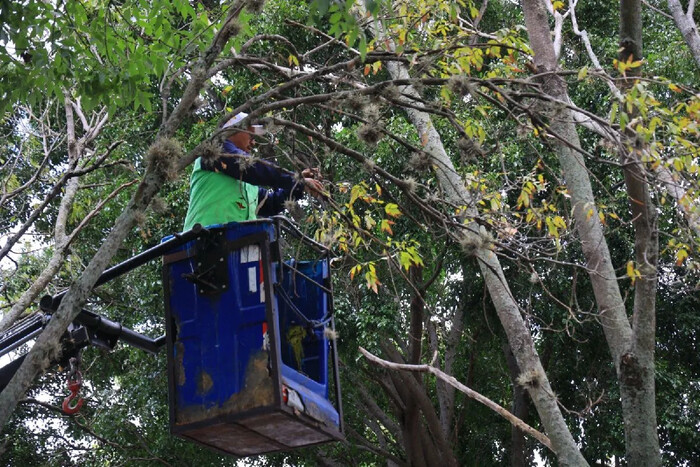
pixel 242 140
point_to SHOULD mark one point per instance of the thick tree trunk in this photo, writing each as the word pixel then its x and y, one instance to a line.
pixel 635 371
pixel 435 449
pixel 446 392
pixel 630 30
pixel 415 333
pixel 413 433
pixel 520 455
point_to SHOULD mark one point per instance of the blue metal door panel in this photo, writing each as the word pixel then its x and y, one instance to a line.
pixel 217 335
pixel 312 302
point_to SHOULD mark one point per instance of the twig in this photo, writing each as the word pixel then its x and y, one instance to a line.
pixel 661 12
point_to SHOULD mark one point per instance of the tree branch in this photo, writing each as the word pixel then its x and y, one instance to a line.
pixel 686 25
pixel 462 388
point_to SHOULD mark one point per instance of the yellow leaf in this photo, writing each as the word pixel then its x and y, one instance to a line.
pixel 357 191
pixel 523 200
pixel 631 271
pixel 385 226
pixel 557 5
pixel 681 255
pixel 582 73
pixel 553 231
pixel 559 222
pixel 405 260
pixel 392 210
pixel 369 222
pixel 371 278
pixel 256 86
pixel 674 88
pixel 356 269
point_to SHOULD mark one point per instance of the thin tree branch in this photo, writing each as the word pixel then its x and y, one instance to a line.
pixel 541 437
pixel 97 209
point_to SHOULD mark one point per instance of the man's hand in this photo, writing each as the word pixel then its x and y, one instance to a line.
pixel 314 188
pixel 312 183
pixel 313 172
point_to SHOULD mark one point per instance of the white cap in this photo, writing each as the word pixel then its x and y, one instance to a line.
pixel 257 129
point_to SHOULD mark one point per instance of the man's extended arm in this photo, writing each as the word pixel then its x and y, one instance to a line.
pixel 258 173
pixel 284 185
pixel 271 202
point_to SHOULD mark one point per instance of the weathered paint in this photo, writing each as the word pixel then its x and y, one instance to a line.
pixel 257 393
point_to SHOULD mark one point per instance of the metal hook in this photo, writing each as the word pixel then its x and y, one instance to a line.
pixel 73 402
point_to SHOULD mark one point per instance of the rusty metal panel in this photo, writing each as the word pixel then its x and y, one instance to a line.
pixel 217 358
pixel 285 429
pixel 257 392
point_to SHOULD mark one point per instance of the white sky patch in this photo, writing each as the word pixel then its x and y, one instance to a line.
pixel 31 242
pixel 13 355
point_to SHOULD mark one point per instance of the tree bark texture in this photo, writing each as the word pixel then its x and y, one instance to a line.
pixel 637 368
pixel 446 392
pixel 520 455
pixel 415 333
pixel 686 25
pixel 635 372
pixel 630 30
pixel 416 403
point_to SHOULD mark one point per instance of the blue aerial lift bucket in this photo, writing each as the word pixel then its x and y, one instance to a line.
pixel 248 341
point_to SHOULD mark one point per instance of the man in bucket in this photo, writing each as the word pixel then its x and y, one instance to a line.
pixel 229 188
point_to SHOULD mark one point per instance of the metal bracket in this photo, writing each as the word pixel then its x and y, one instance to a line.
pixel 211 266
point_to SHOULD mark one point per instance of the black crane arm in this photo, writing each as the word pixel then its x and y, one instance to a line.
pixel 88 328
